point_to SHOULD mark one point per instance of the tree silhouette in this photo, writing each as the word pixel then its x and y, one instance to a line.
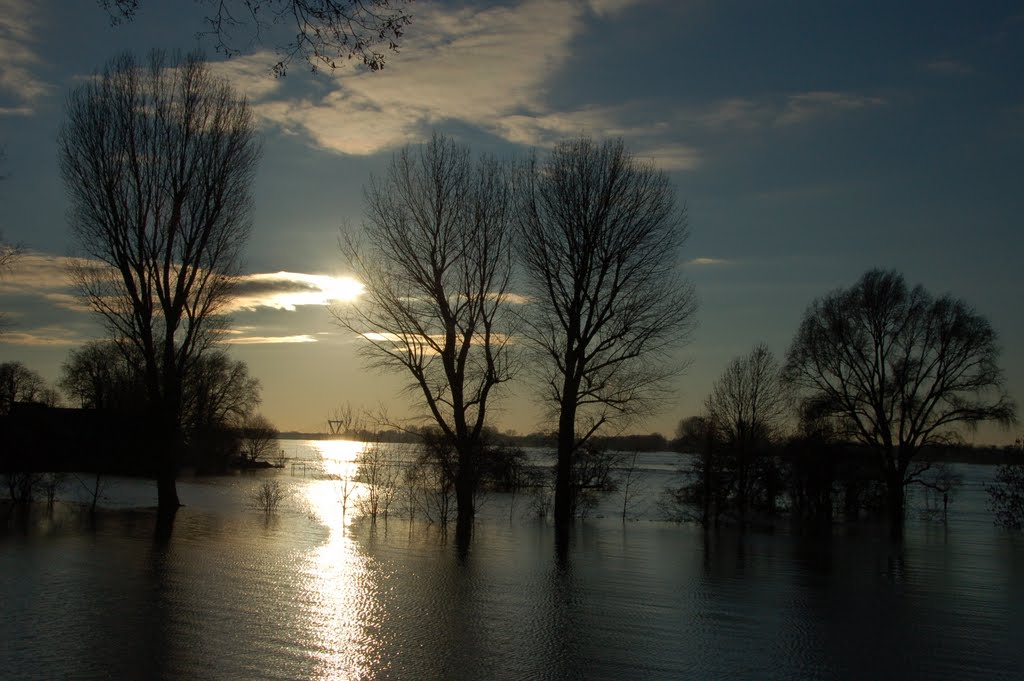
pixel 436 262
pixel 18 383
pixel 600 237
pixel 747 406
pixel 897 370
pixel 157 159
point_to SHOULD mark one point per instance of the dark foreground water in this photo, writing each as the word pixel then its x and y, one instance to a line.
pixel 311 594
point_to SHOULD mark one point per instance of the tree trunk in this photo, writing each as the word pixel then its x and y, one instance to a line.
pixel 465 487
pixel 167 493
pixel 565 492
pixel 895 499
pixel 169 443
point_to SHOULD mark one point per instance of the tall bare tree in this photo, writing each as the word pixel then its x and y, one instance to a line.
pixel 897 370
pixel 747 406
pixel 325 31
pixel 157 159
pixel 436 262
pixel 600 237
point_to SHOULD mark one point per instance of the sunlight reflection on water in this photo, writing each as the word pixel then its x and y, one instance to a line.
pixel 336 577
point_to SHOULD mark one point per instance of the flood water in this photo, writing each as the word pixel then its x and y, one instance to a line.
pixel 312 593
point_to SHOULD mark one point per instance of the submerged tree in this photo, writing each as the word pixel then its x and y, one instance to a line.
pixel 747 406
pixel 158 158
pixel 1006 492
pixel 436 261
pixel 259 438
pixel 325 31
pixel 600 237
pixel 897 370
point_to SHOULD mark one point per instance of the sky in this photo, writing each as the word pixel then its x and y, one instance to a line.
pixel 810 141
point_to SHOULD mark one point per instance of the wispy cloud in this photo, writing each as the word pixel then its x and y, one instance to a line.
pixel 36 273
pixel 748 113
pixel 18 25
pixel 288 290
pixel 270 340
pixel 949 67
pixel 803 107
pixel 50 336
pixel 707 262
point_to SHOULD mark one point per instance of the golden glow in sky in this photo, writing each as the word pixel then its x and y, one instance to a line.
pixel 288 290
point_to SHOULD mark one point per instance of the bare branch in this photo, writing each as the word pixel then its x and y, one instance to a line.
pixel 325 32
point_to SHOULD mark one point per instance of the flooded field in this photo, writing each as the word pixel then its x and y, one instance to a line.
pixel 312 592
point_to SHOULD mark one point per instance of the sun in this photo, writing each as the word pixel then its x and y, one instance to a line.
pixel 341 289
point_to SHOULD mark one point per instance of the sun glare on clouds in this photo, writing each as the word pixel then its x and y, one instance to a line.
pixel 288 290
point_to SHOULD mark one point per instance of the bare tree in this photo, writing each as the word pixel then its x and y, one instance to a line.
pixel 218 392
pixel 98 376
pixel 157 159
pixel 436 264
pixel 897 370
pixel 747 406
pixel 379 474
pixel 701 496
pixel 259 438
pixel 18 383
pixel 267 497
pixel 325 31
pixel 600 237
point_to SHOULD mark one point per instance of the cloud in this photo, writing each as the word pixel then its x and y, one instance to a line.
pixel 250 76
pixel 705 262
pixel 948 67
pixel 288 290
pixel 50 336
pixel 488 68
pixel 608 8
pixel 35 273
pixel 270 340
pixel 18 24
pixel 803 107
pixel 491 69
pixel 748 113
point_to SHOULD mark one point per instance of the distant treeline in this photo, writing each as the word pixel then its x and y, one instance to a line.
pixel 652 442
